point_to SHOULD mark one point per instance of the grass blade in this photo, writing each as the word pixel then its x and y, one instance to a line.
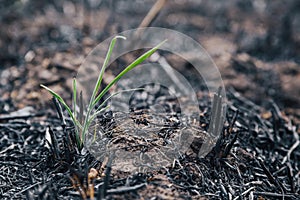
pixel 60 99
pixel 135 63
pixel 82 124
pixel 74 97
pixel 98 83
pixel 80 117
pixel 106 60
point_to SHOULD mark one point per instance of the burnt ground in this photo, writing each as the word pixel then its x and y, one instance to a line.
pixel 255 44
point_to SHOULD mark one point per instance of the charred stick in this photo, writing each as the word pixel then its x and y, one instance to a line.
pixel 270 194
pixel 244 193
pixel 276 116
pixel 216 120
pixel 264 127
pixel 213 114
pixel 291 176
pixel 224 193
pixel 229 146
pixel 103 190
pixel 270 176
pixel 126 189
pixel 59 111
pixel 294 146
pixel 288 156
pixel 230 128
pixel 26 189
pixel 54 143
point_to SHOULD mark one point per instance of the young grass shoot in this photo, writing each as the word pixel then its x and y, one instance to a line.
pixel 81 126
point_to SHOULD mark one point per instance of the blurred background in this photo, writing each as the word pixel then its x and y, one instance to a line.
pixel 255 43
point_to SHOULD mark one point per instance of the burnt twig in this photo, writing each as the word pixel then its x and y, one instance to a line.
pixel 54 143
pixel 270 194
pixel 216 120
pixel 270 176
pixel 294 146
pixel 291 176
pixel 102 192
pixel 124 189
pixel 59 112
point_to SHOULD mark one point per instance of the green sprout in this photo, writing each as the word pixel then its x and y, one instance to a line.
pixel 81 126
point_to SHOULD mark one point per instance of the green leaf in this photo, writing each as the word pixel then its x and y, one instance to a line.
pixel 98 83
pixel 82 125
pixel 108 55
pixel 74 97
pixel 60 99
pixel 126 70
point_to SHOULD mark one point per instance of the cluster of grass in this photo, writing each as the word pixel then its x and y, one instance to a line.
pixel 81 126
